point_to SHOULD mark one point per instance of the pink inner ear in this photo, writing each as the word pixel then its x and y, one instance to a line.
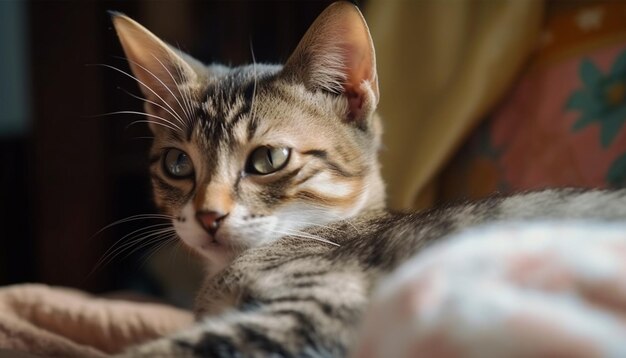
pixel 337 50
pixel 355 103
pixel 358 59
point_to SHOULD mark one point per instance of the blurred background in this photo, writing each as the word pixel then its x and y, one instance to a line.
pixel 477 97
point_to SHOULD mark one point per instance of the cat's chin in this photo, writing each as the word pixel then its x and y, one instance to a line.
pixel 216 254
pixel 208 246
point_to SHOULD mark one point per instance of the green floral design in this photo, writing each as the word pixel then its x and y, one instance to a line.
pixel 616 176
pixel 602 99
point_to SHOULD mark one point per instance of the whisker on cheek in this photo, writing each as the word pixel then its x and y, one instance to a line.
pixel 304 235
pixel 140 235
pixel 134 218
pixel 160 243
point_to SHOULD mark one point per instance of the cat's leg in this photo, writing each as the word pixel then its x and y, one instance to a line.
pixel 300 309
pixel 259 334
pixel 302 326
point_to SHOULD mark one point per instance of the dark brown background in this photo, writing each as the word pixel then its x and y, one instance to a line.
pixel 69 174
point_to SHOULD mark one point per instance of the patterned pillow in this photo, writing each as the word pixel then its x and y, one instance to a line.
pixel 563 122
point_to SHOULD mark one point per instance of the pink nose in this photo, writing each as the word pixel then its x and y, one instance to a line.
pixel 210 220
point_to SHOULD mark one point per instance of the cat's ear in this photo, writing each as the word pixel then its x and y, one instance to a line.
pixel 159 68
pixel 337 55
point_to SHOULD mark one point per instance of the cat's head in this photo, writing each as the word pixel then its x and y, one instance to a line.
pixel 243 156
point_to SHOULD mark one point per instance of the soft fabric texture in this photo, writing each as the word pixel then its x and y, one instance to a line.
pixel 562 123
pixel 61 322
pixel 527 289
pixel 442 67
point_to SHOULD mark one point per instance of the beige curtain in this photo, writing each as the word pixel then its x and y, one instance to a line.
pixel 442 66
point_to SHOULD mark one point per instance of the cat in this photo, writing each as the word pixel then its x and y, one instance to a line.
pixel 244 156
pixel 270 173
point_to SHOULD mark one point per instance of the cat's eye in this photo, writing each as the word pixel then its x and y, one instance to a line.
pixel 267 160
pixel 177 164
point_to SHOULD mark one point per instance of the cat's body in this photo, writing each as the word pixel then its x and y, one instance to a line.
pixel 270 173
pixel 297 298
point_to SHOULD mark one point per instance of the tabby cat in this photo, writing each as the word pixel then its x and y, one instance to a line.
pixel 270 173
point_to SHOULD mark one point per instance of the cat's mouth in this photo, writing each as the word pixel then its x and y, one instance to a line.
pixel 217 241
pixel 203 243
pixel 212 241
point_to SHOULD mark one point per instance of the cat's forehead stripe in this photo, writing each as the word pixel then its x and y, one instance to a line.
pixel 229 100
pixel 224 103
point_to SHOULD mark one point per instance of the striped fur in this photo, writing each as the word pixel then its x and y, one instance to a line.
pixel 276 287
pixel 219 115
pixel 298 298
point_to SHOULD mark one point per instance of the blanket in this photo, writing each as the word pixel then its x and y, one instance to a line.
pixel 61 322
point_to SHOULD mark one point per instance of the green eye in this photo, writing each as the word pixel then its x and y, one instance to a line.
pixel 267 160
pixel 177 164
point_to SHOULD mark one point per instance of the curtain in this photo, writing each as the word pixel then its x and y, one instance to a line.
pixel 442 65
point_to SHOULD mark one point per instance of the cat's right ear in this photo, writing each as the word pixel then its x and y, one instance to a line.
pixel 159 68
pixel 337 55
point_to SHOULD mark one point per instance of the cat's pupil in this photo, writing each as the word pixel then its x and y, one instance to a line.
pixel 181 163
pixel 267 160
pixel 177 163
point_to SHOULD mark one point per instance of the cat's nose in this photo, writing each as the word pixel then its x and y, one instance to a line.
pixel 210 220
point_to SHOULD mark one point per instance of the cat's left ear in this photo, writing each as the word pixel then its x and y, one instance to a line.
pixel 159 67
pixel 337 55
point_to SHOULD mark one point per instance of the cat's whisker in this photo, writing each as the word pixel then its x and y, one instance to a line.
pixel 186 96
pixel 171 125
pixel 318 208
pixel 188 102
pixel 151 102
pixel 162 242
pixel 349 222
pixel 176 249
pixel 185 111
pixel 147 228
pixel 171 110
pixel 299 234
pixel 151 116
pixel 134 218
pixel 254 74
pixel 311 224
pixel 115 248
pixel 149 121
pixel 139 243
pixel 187 114
pixel 138 81
pixel 188 252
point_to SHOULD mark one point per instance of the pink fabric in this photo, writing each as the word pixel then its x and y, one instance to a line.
pixel 533 128
pixel 563 124
pixel 524 290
